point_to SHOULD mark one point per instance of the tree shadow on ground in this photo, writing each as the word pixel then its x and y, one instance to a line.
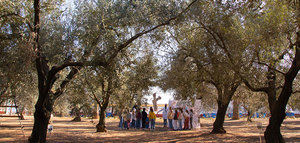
pixel 172 137
pixel 85 131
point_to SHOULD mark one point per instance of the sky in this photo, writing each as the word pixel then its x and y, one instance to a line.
pixel 165 96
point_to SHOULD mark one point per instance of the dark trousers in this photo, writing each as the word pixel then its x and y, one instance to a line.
pixel 191 122
pixel 143 123
pixel 165 122
pixel 138 123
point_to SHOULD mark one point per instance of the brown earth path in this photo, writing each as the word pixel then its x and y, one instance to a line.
pixel 65 131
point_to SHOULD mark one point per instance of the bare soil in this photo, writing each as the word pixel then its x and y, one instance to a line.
pixel 66 131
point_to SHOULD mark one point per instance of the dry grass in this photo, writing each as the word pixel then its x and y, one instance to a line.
pixel 66 131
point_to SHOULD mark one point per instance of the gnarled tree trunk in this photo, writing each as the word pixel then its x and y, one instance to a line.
pixel 271 90
pixel 218 124
pixel 42 116
pixel 250 113
pixel 235 110
pixel 224 97
pixel 77 117
pixel 272 133
pixel 101 125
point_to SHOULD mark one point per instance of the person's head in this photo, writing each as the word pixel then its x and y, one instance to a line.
pixel 151 109
pixel 180 109
pixel 166 105
pixel 144 109
pixel 191 110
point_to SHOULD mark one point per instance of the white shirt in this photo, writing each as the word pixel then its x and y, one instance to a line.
pixel 165 113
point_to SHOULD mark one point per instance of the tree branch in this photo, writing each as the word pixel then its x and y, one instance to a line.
pixel 79 65
pixel 3 91
pixel 93 93
pixel 280 57
pixel 76 67
pixel 126 43
pixel 270 67
pixel 255 89
pixel 297 91
pixel 56 69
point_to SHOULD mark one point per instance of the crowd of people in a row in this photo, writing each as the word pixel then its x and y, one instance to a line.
pixel 174 118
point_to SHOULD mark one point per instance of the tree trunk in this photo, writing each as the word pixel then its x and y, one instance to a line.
pixel 271 90
pixel 272 133
pixel 235 111
pixel 218 124
pixel 224 97
pixel 21 116
pixel 271 99
pixel 20 111
pixel 77 115
pixel 42 116
pixel 43 107
pixel 95 114
pixel 101 125
pixel 249 116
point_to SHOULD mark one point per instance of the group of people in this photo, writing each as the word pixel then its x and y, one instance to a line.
pixel 137 119
pixel 177 117
pixel 174 118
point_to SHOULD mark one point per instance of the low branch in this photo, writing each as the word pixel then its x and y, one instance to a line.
pixel 270 67
pixel 279 87
pixel 297 91
pixel 74 70
pixel 129 41
pixel 3 91
pixel 56 69
pixel 76 67
pixel 255 89
pixel 70 76
pixel 280 57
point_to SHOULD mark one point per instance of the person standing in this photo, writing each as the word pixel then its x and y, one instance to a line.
pixel 165 115
pixel 175 119
pixel 138 118
pixel 152 118
pixel 144 117
pixel 170 118
pixel 180 118
pixel 186 120
pixel 121 120
pixel 133 119
pixel 127 119
pixel 124 117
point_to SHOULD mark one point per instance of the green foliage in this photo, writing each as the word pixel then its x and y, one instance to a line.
pixel 252 101
pixel 214 43
pixel 294 102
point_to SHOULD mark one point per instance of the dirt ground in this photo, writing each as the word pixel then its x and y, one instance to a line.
pixel 67 131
